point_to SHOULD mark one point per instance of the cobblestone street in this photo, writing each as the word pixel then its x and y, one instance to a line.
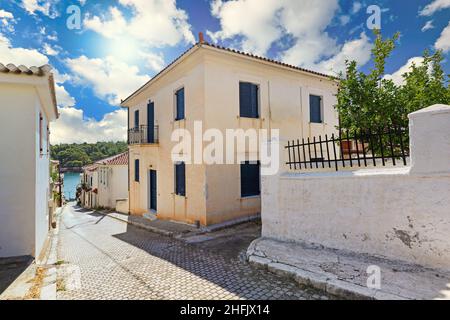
pixel 102 258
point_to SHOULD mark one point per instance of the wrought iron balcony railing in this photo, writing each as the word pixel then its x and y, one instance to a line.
pixel 143 135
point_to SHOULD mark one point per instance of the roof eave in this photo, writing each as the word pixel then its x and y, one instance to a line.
pixel 173 64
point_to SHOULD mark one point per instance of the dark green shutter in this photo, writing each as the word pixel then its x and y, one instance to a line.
pixel 136 170
pixel 250 179
pixel 136 119
pixel 248 100
pixel 180 104
pixel 315 109
pixel 180 179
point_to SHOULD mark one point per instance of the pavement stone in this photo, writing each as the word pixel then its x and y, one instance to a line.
pixel 104 258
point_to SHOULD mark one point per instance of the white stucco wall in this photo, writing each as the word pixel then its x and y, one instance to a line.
pixel 113 184
pixel 397 213
pixel 24 172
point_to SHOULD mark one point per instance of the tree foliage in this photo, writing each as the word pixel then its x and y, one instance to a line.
pixel 78 155
pixel 370 101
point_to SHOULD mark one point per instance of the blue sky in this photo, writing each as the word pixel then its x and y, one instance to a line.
pixel 122 43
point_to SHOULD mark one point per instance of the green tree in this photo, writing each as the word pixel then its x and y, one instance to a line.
pixel 370 101
pixel 424 84
pixel 78 155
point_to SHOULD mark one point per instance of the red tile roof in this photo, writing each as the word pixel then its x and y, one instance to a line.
pixel 119 159
pixel 249 55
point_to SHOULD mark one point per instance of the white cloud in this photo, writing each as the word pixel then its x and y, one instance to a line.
pixel 6 14
pixel 428 26
pixel 63 98
pixel 443 43
pixel 49 50
pixel 397 76
pixel 7 21
pixel 302 20
pixel 435 6
pixel 46 7
pixel 152 60
pixel 356 7
pixel 72 127
pixel 110 78
pixel 27 57
pixel 358 50
pixel 258 24
pixel 52 36
pixel 157 22
pixel 345 19
pixel 32 57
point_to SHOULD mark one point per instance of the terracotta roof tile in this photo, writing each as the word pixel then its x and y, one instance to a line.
pixel 207 44
pixel 119 159
pixel 41 71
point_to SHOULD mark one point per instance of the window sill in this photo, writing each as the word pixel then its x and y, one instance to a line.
pixel 250 197
pixel 251 118
pixel 317 123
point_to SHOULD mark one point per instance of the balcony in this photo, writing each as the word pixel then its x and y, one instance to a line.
pixel 143 135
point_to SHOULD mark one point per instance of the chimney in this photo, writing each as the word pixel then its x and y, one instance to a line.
pixel 201 39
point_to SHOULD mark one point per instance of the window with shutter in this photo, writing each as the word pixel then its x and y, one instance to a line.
pixel 136 170
pixel 136 119
pixel 179 101
pixel 250 179
pixel 180 179
pixel 315 109
pixel 248 100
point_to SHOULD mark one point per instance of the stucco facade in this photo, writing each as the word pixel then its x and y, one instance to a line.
pixel 398 213
pixel 105 182
pixel 210 77
pixel 27 106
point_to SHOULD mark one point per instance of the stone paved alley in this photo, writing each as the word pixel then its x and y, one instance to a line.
pixel 102 258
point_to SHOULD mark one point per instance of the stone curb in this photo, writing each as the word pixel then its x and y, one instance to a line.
pixel 336 287
pixel 49 288
pixel 181 235
pixel 141 225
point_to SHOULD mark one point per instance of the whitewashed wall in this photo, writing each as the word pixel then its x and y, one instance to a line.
pixel 401 213
pixel 24 172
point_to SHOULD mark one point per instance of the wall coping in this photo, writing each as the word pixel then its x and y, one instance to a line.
pixel 403 171
pixel 431 110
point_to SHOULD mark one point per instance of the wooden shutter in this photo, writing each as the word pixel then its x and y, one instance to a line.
pixel 315 109
pixel 136 170
pixel 136 119
pixel 250 179
pixel 248 100
pixel 180 104
pixel 180 179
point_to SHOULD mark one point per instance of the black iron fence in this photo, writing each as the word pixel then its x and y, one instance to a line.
pixel 143 135
pixel 361 148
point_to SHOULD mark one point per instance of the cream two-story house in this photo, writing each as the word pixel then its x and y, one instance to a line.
pixel 27 106
pixel 223 89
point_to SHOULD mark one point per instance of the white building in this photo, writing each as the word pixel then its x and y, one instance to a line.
pixel 112 180
pixel 27 106
pixel 105 182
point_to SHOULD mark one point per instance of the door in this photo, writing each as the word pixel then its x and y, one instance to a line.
pixel 151 122
pixel 152 190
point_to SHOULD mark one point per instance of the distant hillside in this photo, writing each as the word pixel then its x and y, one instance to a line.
pixel 77 155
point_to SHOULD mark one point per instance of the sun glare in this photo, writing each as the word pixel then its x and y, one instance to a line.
pixel 125 49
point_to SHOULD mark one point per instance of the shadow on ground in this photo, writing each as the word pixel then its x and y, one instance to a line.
pixel 11 269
